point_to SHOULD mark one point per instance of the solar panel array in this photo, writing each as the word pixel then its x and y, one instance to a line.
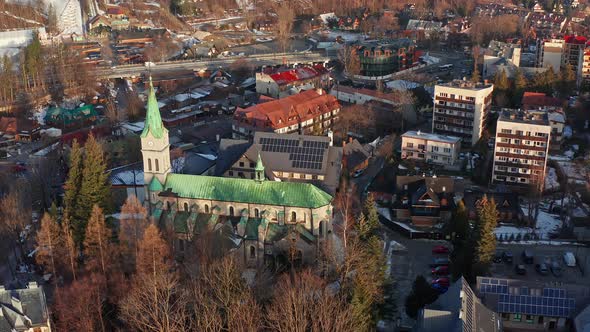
pixel 553 302
pixel 302 154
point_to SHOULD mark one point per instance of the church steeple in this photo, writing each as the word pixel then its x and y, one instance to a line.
pixel 155 147
pixel 153 120
pixel 259 169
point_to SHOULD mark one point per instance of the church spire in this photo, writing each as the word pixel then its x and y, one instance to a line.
pixel 153 121
pixel 259 169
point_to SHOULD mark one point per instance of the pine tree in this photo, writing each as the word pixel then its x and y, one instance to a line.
pixel 501 81
pixel 520 84
pixel 460 223
pixel 72 185
pixel 154 254
pixel 421 295
pixel 131 230
pixel 475 76
pixel 486 225
pixel 97 243
pixel 52 19
pixel 49 244
pixel 372 216
pixel 94 187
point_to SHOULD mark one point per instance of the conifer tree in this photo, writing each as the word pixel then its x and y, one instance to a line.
pixel 486 225
pixel 70 246
pixel 131 230
pixel 371 214
pixel 97 243
pixel 53 211
pixel 49 244
pixel 74 179
pixel 520 84
pixel 154 255
pixel 475 76
pixel 501 81
pixel 460 223
pixel 94 186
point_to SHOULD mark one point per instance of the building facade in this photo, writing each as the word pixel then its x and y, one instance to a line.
pixel 255 219
pixel 24 310
pixel 461 109
pixel 432 148
pixel 312 112
pixel 521 148
pixel 550 53
pixel 280 84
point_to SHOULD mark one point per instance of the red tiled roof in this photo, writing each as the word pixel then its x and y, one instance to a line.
pixel 289 110
pixel 115 11
pixel 535 99
pixel 298 74
pixel 571 39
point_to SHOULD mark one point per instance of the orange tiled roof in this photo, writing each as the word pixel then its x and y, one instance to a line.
pixel 289 110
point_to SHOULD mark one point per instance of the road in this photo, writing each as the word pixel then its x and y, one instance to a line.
pixel 125 71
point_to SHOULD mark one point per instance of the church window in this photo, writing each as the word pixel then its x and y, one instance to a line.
pixel 321 228
pixel 150 164
pixel 157 166
pixel 256 213
pixel 293 216
pixel 231 211
pixel 185 206
pixel 252 252
pixel 206 208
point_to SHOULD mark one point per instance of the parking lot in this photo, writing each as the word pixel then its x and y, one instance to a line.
pixel 541 253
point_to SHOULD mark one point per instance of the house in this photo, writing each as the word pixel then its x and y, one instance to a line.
pixel 506 204
pixel 99 21
pixel 257 220
pixel 428 28
pixel 309 112
pixel 362 96
pixel 533 305
pixel 116 12
pixel 425 201
pixel 282 83
pixel 458 310
pixel 68 118
pixel 432 148
pixel 355 156
pixel 289 157
pixel 24 310
pixel 20 129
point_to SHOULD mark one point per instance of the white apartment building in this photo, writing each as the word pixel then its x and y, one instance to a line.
pixel 550 53
pixel 437 149
pixel 584 68
pixel 461 109
pixel 521 149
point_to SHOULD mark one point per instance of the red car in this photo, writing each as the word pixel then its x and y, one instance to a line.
pixel 444 281
pixel 440 250
pixel 441 270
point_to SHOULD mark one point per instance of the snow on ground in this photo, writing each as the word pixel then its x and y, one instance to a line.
pixel 551 180
pixel 507 229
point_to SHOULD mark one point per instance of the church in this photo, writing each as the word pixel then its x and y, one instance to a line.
pixel 256 219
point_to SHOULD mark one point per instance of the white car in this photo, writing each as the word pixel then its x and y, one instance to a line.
pixel 569 259
pixel 358 173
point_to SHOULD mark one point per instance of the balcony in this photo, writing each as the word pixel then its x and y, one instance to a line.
pixel 521 146
pixel 453 100
pixel 522 137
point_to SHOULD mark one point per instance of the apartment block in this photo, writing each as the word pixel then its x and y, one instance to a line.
pixel 550 53
pixel 432 148
pixel 461 109
pixel 522 145
pixel 584 67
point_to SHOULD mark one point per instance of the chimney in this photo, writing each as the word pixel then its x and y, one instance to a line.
pixel 419 133
pixel 320 91
pixel 331 137
pixel 217 137
pixel 32 284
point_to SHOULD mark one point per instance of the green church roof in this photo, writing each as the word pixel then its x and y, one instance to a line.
pixel 153 121
pixel 155 185
pixel 296 194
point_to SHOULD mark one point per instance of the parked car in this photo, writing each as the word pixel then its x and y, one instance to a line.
pixel 440 262
pixel 444 281
pixel 498 256
pixel 527 256
pixel 440 288
pixel 440 250
pixel 556 269
pixel 520 269
pixel 569 259
pixel 508 257
pixel 440 271
pixel 542 269
pixel 358 173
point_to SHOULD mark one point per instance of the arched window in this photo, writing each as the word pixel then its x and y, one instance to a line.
pixel 168 205
pixel 231 211
pixel 256 213
pixel 150 164
pixel 321 226
pixel 252 252
pixel 206 208
pixel 185 206
pixel 157 166
pixel 293 216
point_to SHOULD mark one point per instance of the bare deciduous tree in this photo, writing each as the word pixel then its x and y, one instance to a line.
pixel 133 225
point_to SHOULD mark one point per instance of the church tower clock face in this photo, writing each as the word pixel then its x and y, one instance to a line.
pixel 150 143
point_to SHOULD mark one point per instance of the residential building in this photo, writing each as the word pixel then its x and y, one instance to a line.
pixel 431 148
pixel 19 128
pixel 427 28
pixel 507 204
pixel 355 156
pixel 290 157
pixel 584 67
pixel 257 220
pixel 309 112
pixel 24 310
pixel 362 96
pixel 573 52
pixel 282 83
pixel 550 53
pixel 458 310
pixel 461 109
pixel 377 59
pixel 536 102
pixel 521 148
pixel 527 305
pixel 425 201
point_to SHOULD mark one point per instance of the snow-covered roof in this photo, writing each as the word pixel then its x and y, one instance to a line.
pixel 328 17
pixel 402 85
